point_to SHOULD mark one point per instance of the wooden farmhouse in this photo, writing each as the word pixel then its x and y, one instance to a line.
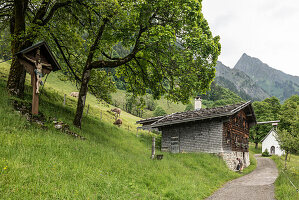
pixel 271 144
pixel 222 130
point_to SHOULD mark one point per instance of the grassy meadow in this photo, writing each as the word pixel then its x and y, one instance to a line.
pixel 112 163
pixel 283 188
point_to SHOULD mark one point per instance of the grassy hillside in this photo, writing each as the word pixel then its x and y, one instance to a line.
pixel 40 162
pixel 283 188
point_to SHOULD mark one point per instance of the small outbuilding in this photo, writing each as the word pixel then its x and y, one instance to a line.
pixel 271 144
pixel 222 130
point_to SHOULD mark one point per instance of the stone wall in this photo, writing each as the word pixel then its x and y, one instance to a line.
pixel 202 136
pixel 231 158
pixel 199 136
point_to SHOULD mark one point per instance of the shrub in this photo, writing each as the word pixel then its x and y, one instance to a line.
pixel 159 111
pixel 189 107
pixel 266 153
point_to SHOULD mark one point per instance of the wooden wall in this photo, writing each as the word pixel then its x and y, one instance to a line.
pixel 236 133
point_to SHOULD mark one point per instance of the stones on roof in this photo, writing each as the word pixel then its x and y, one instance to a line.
pixel 153 119
pixel 208 113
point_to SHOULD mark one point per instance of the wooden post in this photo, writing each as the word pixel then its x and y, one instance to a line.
pixel 153 147
pixel 64 99
pixel 87 110
pixel 101 115
pixel 35 100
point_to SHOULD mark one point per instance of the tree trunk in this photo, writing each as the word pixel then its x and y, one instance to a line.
pixel 256 145
pixel 285 160
pixel 17 74
pixel 81 98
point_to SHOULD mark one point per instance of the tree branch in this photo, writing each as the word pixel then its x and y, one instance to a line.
pixel 53 9
pixel 40 18
pixel 120 61
pixel 95 43
pixel 64 57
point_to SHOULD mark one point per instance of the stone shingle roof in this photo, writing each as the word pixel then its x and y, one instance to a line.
pixel 208 113
pixel 152 119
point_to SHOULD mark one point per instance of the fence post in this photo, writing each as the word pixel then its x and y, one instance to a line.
pixel 153 147
pixel 64 99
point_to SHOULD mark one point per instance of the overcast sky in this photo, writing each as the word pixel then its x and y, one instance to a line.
pixel 265 29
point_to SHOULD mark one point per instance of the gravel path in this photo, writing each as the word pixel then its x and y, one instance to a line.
pixel 258 185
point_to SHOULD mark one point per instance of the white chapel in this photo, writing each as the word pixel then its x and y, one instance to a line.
pixel 271 144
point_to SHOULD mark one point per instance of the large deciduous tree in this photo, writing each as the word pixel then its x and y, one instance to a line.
pixel 167 47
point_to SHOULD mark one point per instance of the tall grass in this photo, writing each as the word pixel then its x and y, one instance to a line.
pixel 283 187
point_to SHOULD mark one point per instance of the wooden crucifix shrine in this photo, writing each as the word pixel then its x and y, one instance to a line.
pixel 38 60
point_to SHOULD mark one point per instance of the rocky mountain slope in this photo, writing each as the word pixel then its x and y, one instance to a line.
pixel 274 82
pixel 239 82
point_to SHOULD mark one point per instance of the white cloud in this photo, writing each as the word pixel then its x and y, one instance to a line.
pixel 267 29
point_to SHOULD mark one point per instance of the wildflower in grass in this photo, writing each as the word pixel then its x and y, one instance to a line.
pixel 5 168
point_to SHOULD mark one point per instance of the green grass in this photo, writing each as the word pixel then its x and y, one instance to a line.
pixel 283 188
pixel 112 163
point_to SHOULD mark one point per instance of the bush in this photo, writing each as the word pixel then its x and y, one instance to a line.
pixel 189 107
pixel 159 111
pixel 266 153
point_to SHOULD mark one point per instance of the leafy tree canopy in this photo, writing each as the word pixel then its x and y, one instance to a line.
pixel 267 110
pixel 289 126
pixel 162 45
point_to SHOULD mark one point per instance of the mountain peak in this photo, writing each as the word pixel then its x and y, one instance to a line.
pixel 238 82
pixel 274 82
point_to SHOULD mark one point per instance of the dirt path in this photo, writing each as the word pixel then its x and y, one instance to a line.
pixel 257 185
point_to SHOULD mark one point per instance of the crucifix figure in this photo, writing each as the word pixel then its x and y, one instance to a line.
pixel 39 68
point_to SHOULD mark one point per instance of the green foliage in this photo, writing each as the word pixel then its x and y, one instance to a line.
pixel 267 110
pixel 288 135
pixel 159 112
pixel 168 39
pixel 150 103
pixel 5 49
pixel 283 188
pixel 134 105
pixel 219 96
pixel 266 153
pixel 101 85
pixel 189 107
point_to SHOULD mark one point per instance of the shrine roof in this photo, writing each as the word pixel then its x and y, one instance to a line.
pixel 45 51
